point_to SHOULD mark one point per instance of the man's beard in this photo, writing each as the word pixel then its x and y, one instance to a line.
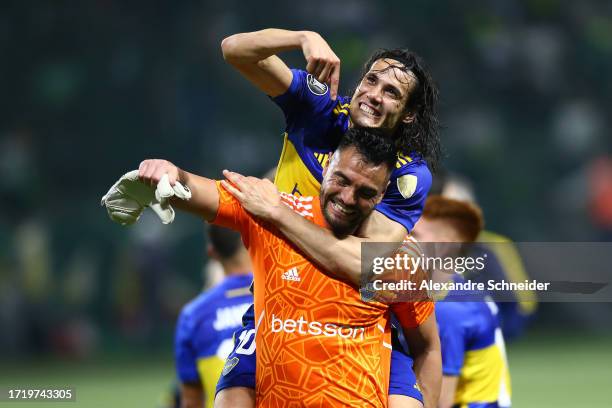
pixel 340 229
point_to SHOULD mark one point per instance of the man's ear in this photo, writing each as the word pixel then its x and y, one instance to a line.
pixel 331 155
pixel 382 195
pixel 409 117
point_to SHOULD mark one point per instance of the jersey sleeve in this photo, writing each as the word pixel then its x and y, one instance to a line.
pixel 412 314
pixel 417 305
pixel 305 94
pixel 185 354
pixel 405 197
pixel 309 111
pixel 231 214
pixel 452 343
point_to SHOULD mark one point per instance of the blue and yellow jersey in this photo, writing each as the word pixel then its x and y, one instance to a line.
pixel 315 124
pixel 204 332
pixel 473 350
pixel 504 263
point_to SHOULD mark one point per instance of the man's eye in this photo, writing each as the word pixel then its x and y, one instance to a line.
pixel 367 194
pixel 370 80
pixel 392 93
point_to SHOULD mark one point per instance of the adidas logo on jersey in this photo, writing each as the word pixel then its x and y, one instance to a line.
pixel 292 275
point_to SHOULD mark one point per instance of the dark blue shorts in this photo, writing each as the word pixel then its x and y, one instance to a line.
pixel 239 368
pixel 402 380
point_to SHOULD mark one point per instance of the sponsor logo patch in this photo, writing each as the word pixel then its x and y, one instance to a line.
pixel 292 275
pixel 315 86
pixel 229 365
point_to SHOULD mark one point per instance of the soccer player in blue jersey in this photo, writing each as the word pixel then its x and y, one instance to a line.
pixel 503 262
pixel 475 371
pixel 207 323
pixel 395 93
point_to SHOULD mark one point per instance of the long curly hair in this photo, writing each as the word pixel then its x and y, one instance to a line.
pixel 422 135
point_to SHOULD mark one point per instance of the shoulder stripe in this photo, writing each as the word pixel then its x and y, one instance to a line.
pixel 322 158
pixel 341 108
pixel 402 160
pixel 301 205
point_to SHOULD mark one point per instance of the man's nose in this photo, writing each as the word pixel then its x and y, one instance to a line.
pixel 375 96
pixel 348 196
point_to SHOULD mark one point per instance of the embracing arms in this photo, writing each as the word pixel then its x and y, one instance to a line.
pixel 341 257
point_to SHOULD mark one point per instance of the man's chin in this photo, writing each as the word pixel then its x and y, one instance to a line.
pixel 361 120
pixel 342 227
pixel 365 122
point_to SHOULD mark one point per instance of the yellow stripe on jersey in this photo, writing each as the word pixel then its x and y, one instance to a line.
pixel 322 158
pixel 209 369
pixel 402 160
pixel 481 377
pixel 341 108
pixel 292 175
pixel 510 260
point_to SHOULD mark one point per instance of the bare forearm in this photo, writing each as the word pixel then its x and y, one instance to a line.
pixel 424 344
pixel 204 200
pixel 428 369
pixel 255 46
pixel 449 387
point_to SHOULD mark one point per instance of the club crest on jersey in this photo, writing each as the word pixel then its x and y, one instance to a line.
pixel 315 86
pixel 406 185
pixel 229 365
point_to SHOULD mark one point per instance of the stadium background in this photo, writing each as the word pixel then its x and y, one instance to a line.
pixel 91 88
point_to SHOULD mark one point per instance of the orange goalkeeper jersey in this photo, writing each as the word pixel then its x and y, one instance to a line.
pixel 318 343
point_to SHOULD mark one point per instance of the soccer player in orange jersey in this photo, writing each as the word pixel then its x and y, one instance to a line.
pixel 396 94
pixel 318 343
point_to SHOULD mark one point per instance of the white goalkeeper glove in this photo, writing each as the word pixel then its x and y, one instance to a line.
pixel 128 197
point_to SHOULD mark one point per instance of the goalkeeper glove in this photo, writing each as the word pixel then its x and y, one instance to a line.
pixel 128 197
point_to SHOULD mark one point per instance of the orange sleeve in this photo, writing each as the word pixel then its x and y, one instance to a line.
pixel 231 214
pixel 412 314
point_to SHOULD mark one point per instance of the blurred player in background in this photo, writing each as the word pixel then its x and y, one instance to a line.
pixel 473 354
pixel 395 93
pixel 503 261
pixel 206 324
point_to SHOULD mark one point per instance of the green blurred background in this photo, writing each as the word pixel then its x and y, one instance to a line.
pixel 91 88
pixel 549 370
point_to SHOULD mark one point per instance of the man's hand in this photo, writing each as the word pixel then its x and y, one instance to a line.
pixel 322 62
pixel 258 197
pixel 152 170
pixel 127 198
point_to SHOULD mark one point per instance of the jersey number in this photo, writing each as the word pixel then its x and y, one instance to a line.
pixel 247 342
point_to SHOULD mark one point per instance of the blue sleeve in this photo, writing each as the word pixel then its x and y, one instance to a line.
pixel 305 94
pixel 185 354
pixel 452 341
pixel 308 107
pixel 405 197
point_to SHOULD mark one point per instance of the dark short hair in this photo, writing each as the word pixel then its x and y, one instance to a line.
pixel 375 146
pixel 422 134
pixel 224 241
